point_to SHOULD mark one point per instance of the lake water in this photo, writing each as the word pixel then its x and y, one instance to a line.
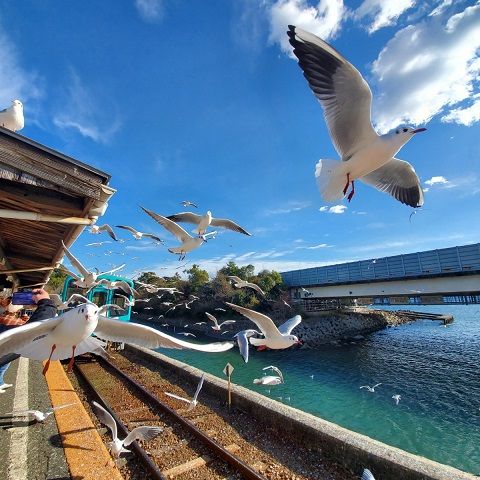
pixel 435 369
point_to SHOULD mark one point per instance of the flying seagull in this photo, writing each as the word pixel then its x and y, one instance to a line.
pixel 276 370
pixel 274 339
pixel 37 414
pixel 268 380
pixel 139 235
pixel 242 341
pixel 346 100
pixel 239 283
pixel 12 117
pixel 187 203
pixel 370 389
pixel 193 402
pixel 117 446
pixel 97 229
pixel 188 243
pixel 397 398
pixel 204 221
pixel 217 327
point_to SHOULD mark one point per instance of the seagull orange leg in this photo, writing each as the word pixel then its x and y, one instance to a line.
pixel 348 183
pixel 45 368
pixel 70 363
pixel 352 193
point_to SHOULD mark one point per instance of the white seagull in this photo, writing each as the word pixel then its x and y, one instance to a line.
pixel 242 341
pixel 97 229
pixel 274 339
pixel 371 389
pixel 114 284
pixel 239 283
pixel 276 370
pixel 117 446
pixel 268 380
pixel 217 327
pixel 139 235
pixel 188 203
pixel 192 403
pixel 128 302
pixel 12 117
pixel 397 398
pixel 346 100
pixel 204 221
pixel 188 243
pixel 37 414
pixel 367 475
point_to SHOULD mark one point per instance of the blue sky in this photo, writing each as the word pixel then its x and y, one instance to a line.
pixel 203 101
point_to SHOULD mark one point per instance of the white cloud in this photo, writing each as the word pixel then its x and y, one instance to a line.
pixel 323 20
pixel 316 247
pixel 439 180
pixel 15 81
pixel 465 116
pixel 428 69
pixel 335 209
pixel 440 8
pixel 293 206
pixel 382 12
pixel 86 112
pixel 150 10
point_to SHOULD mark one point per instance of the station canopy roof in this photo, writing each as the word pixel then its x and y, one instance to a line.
pixel 45 197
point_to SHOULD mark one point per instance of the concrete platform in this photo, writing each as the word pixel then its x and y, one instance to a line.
pixel 65 446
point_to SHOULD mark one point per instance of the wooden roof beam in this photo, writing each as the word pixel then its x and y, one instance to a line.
pixel 40 217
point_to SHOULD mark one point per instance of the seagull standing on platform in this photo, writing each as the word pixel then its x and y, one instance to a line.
pixel 117 446
pixel 346 100
pixel 12 117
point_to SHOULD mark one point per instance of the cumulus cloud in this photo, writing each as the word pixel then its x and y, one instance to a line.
pixel 290 207
pixel 439 180
pixel 382 13
pixel 150 10
pixel 335 209
pixel 428 69
pixel 323 20
pixel 85 112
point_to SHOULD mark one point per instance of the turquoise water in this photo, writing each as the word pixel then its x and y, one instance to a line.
pixel 434 369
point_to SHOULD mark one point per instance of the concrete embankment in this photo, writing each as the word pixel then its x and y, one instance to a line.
pixel 350 449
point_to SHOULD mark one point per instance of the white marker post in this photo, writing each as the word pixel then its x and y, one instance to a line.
pixel 228 370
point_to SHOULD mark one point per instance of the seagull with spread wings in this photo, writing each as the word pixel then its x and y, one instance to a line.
pixel 239 283
pixel 97 229
pixel 39 415
pixel 369 388
pixel 204 221
pixel 192 403
pixel 139 235
pixel 217 327
pixel 346 100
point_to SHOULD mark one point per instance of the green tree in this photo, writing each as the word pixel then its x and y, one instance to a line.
pixel 197 278
pixel 150 277
pixel 56 280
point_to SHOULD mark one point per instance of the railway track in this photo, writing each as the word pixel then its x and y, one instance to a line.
pixel 182 448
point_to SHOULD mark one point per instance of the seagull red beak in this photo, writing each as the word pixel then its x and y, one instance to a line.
pixel 418 130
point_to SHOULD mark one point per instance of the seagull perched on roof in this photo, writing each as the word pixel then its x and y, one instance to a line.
pixel 139 235
pixel 12 117
pixel 346 100
pixel 239 283
pixel 204 221
pixel 97 229
pixel 188 244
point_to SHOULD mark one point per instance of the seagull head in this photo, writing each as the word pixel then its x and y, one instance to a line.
pixel 17 103
pixel 89 311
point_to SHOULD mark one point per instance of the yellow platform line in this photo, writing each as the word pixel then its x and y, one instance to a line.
pixel 86 454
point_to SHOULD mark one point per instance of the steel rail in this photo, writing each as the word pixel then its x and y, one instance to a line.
pixel 246 471
pixel 146 461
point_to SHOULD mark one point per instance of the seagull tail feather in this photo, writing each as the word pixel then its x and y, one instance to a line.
pixel 331 179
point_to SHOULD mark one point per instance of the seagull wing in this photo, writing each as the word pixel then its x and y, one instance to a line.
pixel 105 418
pixel 114 269
pixel 227 322
pixel 75 262
pixel 149 337
pixel 287 327
pixel 171 226
pixel 126 288
pixel 142 433
pixel 126 227
pixel 185 217
pixel 186 400
pixel 275 369
pixel 107 228
pixel 14 339
pixel 235 278
pixel 22 413
pixel 229 224
pixel 399 179
pixel 242 341
pixel 365 386
pixel 154 237
pixel 367 475
pixel 264 323
pixel 199 387
pixel 339 87
pixel 375 386
pixel 255 287
pixel 58 407
pixel 212 318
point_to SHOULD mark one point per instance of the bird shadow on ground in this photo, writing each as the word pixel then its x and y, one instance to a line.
pixel 8 422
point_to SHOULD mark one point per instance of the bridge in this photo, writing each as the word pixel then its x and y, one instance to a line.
pixel 447 275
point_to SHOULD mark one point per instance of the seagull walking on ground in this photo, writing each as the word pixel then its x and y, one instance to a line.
pixel 239 283
pixel 37 414
pixel 274 339
pixel 192 403
pixel 217 327
pixel 188 243
pixel 12 117
pixel 371 389
pixel 204 221
pixel 117 446
pixel 346 100
pixel 139 235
